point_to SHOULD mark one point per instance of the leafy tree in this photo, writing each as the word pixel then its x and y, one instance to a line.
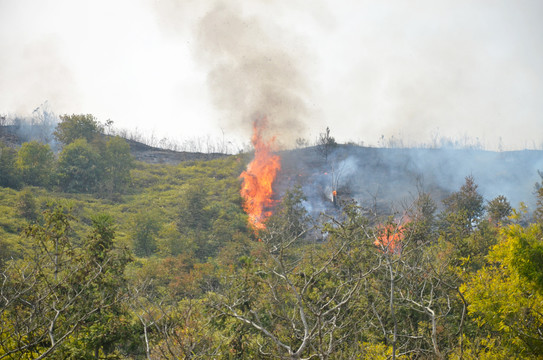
pixel 146 228
pixel 464 208
pixel 26 205
pixel 193 213
pixel 9 173
pixel 506 298
pixel 291 215
pixel 117 165
pixel 422 226
pixel 527 256
pixel 35 162
pixel 538 213
pixel 79 167
pixel 73 127
pixel 52 295
pixel 499 210
pixel 461 216
pixel 195 219
pixel 171 242
pixel 107 328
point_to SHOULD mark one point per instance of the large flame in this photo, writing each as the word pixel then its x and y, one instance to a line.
pixel 258 179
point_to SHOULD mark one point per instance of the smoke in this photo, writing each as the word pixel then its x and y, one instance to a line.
pixel 451 67
pixel 389 180
pixel 254 72
pixel 37 126
pixel 33 72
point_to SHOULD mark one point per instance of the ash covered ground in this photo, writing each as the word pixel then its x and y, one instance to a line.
pixel 389 180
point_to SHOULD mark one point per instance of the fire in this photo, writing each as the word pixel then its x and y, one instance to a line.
pixel 334 197
pixel 258 179
pixel 389 238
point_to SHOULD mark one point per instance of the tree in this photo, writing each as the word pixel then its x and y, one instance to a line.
pixel 80 167
pixel 461 216
pixel 464 208
pixel 117 165
pixel 195 219
pixel 326 143
pixel 35 162
pixel 9 173
pixel 499 210
pixel 73 127
pixel 108 327
pixel 146 228
pixel 296 297
pixel 26 205
pixel 538 213
pixel 52 295
pixel 506 296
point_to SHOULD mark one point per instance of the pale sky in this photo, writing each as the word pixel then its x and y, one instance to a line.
pixel 412 69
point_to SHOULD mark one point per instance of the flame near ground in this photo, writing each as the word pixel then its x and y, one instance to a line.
pixel 256 188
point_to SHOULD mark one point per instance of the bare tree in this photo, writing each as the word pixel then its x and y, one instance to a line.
pixel 298 294
pixel 326 144
pixel 50 295
pixel 172 328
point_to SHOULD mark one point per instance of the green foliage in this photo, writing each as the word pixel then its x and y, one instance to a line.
pixel 527 256
pixel 423 222
pixel 538 213
pixel 9 172
pixel 464 209
pixel 59 293
pixel 499 210
pixel 79 167
pixel 73 127
pixel 146 227
pixel 35 162
pixel 26 205
pixel 171 242
pixel 117 165
pixel 204 286
pixel 290 215
pixel 502 299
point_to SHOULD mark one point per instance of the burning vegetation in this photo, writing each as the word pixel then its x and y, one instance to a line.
pixel 258 179
pixel 390 238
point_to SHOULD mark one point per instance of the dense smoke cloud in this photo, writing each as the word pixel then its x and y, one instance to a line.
pixel 252 73
pixel 417 70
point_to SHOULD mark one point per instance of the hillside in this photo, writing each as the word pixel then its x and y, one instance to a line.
pixel 392 177
pixel 383 177
pixel 155 258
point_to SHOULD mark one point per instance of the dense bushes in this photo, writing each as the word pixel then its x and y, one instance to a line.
pixel 171 270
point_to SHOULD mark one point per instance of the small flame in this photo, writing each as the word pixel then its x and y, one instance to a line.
pixel 258 179
pixel 389 238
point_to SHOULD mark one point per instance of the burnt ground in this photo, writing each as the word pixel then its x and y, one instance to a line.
pixel 152 155
pixel 389 180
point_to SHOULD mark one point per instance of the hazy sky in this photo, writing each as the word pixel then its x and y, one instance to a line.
pixel 412 69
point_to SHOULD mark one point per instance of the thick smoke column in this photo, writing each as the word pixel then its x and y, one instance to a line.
pixel 252 74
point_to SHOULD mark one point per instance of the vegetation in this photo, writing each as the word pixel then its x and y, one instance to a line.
pixel 102 257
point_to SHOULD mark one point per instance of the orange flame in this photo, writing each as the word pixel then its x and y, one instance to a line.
pixel 389 238
pixel 258 179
